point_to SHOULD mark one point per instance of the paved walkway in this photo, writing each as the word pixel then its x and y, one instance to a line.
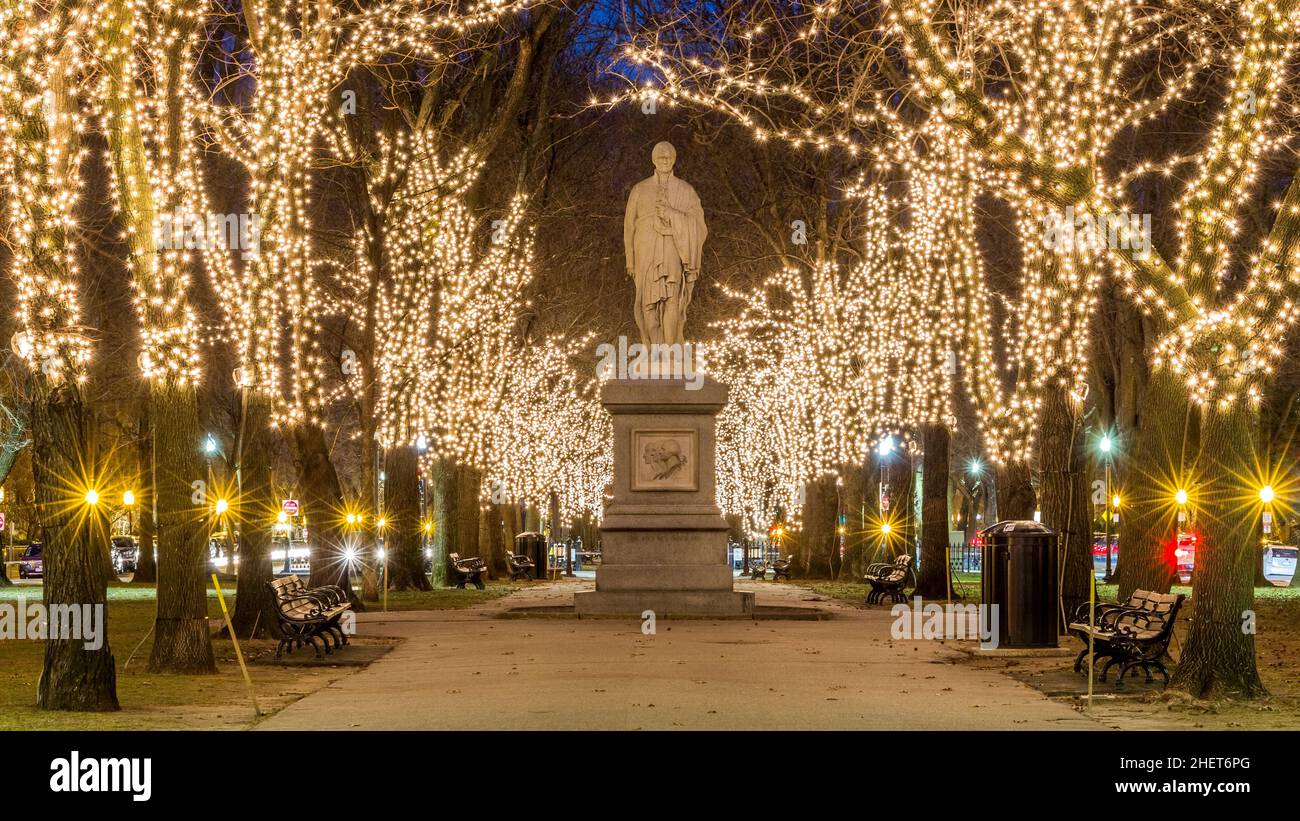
pixel 462 669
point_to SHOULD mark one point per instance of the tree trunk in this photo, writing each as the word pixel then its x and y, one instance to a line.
pixel 902 506
pixel 181 643
pixel 469 483
pixel 1218 660
pixel 932 578
pixel 146 568
pixel 1148 522
pixel 855 492
pixel 366 556
pixel 817 537
pixel 403 535
pixel 492 541
pixel 322 501
pixel 1015 493
pixel 74 532
pixel 255 609
pixel 1066 503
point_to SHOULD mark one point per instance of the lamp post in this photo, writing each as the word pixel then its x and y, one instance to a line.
pixel 1105 446
pixel 128 501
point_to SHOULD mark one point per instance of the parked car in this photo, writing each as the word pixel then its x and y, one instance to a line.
pixel 1099 554
pixel 1185 556
pixel 30 564
pixel 126 554
pixel 1279 563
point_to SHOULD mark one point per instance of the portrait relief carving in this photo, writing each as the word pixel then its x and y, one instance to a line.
pixel 665 460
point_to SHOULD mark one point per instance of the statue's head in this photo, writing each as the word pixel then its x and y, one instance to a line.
pixel 663 157
pixel 672 450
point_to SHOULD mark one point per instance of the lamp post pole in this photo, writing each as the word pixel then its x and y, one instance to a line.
pixel 1105 446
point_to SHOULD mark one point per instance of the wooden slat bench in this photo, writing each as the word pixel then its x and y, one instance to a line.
pixel 888 579
pixel 308 614
pixel 521 567
pixel 1134 634
pixel 468 571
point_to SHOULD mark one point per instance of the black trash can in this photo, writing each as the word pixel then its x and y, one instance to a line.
pixel 533 545
pixel 1019 575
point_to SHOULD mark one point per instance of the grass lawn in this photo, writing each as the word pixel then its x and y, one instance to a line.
pixel 156 701
pixel 443 598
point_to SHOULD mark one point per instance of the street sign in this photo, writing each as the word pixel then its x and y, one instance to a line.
pixel 2 521
pixel 290 507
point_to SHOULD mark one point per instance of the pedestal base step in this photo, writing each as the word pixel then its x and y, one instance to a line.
pixel 666 604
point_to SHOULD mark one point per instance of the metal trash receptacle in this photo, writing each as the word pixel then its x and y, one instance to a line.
pixel 1019 575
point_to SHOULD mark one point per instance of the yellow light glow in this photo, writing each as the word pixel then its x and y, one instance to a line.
pixel 1180 496
pixel 128 498
pixel 886 528
pixel 282 517
pixel 222 506
pixel 1266 494
pixel 92 497
pixel 1114 500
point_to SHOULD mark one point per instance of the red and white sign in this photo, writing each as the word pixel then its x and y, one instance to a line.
pixel 290 507
pixel 2 521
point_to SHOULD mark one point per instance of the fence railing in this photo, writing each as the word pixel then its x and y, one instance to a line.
pixel 965 558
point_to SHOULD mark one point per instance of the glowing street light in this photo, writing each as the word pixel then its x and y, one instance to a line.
pixel 886 446
pixel 1266 494
pixel 1114 501
pixel 209 446
pixel 975 468
pixel 222 506
pixel 92 497
pixel 128 498
pixel 352 518
pixel 885 529
pixel 1104 444
pixel 1180 496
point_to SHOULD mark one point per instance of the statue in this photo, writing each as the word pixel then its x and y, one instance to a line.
pixel 663 239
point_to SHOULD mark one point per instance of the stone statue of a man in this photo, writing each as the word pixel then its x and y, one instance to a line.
pixel 663 239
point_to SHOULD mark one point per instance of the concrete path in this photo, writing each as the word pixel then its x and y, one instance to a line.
pixel 467 669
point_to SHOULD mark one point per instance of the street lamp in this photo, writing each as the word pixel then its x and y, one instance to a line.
pixel 1180 496
pixel 92 497
pixel 1266 494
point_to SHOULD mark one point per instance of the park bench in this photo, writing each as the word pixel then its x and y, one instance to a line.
pixel 468 571
pixel 779 568
pixel 521 567
pixel 888 579
pixel 1134 634
pixel 307 614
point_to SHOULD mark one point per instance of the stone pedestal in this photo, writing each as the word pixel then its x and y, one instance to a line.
pixel 663 538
